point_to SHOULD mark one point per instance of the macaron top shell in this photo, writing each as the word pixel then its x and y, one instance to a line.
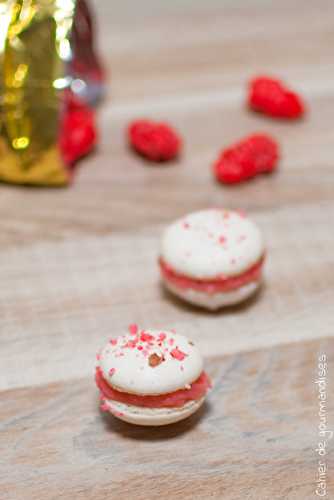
pixel 146 362
pixel 210 244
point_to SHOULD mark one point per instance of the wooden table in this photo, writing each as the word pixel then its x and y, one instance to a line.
pixel 79 264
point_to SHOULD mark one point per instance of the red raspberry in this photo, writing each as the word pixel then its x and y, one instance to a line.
pixel 77 130
pixel 253 155
pixel 155 141
pixel 271 97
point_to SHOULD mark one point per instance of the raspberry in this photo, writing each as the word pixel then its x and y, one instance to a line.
pixel 253 155
pixel 154 141
pixel 272 97
pixel 77 131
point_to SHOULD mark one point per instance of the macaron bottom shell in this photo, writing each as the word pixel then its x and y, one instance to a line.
pixel 151 416
pixel 217 300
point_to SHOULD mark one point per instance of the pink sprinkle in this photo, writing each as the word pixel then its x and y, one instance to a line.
pixel 133 329
pixel 162 337
pixel 146 337
pixel 111 371
pixel 186 225
pixel 171 341
pixel 177 354
pixel 222 240
pixel 140 347
pixel 242 213
pixel 98 356
pixel 113 341
pixel 131 344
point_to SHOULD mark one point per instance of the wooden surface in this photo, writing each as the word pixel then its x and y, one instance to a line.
pixel 78 265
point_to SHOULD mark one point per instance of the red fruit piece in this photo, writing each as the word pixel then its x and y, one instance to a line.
pixel 77 129
pixel 253 155
pixel 155 141
pixel 272 97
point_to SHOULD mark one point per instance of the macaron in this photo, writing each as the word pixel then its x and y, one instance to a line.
pixel 149 377
pixel 212 258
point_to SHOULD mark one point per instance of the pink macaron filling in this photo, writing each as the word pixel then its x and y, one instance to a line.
pixel 175 399
pixel 212 286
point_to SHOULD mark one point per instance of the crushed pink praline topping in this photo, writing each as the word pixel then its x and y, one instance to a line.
pixel 148 346
pixel 104 407
pixel 146 337
pixel 178 354
pixel 133 329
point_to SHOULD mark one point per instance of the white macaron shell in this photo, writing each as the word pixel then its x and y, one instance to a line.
pixel 212 243
pixel 152 416
pixel 127 369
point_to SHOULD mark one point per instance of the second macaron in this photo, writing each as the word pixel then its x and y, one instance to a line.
pixel 212 258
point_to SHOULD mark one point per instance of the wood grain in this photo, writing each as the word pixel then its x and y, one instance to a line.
pixel 79 264
pixel 64 300
pixel 255 438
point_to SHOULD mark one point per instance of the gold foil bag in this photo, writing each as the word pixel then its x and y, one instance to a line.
pixel 35 56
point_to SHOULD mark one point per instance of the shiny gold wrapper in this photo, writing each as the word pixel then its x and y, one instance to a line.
pixel 34 50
